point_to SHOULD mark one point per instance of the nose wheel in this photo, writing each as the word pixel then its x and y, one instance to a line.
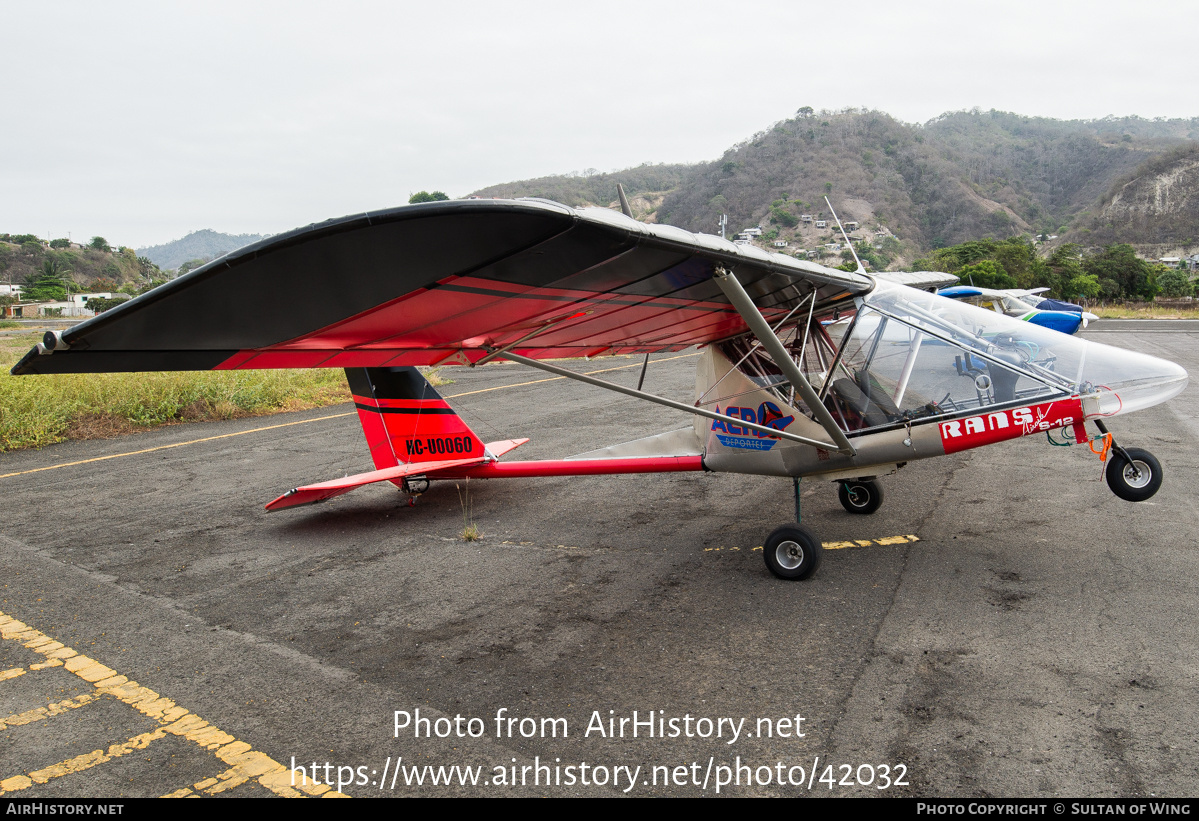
pixel 1134 474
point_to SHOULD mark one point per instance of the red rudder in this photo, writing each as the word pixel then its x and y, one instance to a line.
pixel 405 420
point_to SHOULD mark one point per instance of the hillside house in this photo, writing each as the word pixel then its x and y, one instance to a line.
pixel 822 223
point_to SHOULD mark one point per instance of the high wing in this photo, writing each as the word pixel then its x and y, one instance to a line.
pixel 444 283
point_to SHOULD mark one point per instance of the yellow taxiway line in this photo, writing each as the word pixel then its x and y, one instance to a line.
pixel 243 763
pixel 885 541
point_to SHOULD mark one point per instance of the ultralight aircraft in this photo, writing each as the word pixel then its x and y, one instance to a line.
pixel 1048 313
pixel 805 371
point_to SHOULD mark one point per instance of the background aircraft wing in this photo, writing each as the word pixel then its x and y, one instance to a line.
pixel 438 283
pixel 921 280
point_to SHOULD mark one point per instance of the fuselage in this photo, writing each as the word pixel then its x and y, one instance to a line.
pixel 910 375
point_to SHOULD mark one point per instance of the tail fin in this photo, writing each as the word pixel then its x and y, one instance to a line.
pixel 405 420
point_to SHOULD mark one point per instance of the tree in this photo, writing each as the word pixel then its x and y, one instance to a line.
pixel 100 244
pixel 61 242
pixel 1083 285
pixel 1175 283
pixel 46 283
pixel 191 264
pixel 1062 267
pixel 102 304
pixel 425 196
pixel 783 217
pixel 986 274
pixel 1017 256
pixel 1121 264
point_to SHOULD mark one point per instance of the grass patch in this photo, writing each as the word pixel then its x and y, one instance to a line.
pixel 39 410
pixel 1148 312
pixel 470 530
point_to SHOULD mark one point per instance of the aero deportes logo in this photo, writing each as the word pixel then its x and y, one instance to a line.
pixel 732 436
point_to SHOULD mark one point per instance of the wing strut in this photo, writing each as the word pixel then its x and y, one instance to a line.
pixel 774 346
pixel 670 403
pixel 625 208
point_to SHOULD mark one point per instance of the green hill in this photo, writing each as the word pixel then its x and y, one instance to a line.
pixel 206 244
pixel 962 176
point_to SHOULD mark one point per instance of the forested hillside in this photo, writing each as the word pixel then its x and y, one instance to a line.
pixel 198 245
pixel 594 188
pixel 1156 204
pixel 962 176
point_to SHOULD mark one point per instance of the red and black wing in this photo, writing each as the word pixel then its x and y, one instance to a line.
pixel 440 283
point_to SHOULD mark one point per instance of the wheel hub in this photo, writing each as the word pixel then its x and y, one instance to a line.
pixel 789 555
pixel 1137 474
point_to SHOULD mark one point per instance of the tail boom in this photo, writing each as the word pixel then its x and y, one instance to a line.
pixel 571 467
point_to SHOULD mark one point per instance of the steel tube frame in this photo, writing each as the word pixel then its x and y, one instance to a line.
pixel 774 346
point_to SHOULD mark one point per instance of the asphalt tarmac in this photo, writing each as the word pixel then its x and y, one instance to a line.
pixel 1003 626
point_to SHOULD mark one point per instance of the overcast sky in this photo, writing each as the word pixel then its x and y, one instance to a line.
pixel 141 122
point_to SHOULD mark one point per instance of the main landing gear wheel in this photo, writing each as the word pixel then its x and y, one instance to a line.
pixel 862 497
pixel 1136 478
pixel 792 552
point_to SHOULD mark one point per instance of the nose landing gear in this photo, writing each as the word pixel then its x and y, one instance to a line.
pixel 1132 474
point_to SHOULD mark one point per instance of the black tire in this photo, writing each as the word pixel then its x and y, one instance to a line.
pixel 792 552
pixel 860 497
pixel 1137 480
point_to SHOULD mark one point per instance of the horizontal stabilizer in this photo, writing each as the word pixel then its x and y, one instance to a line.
pixel 310 494
pixel 498 449
pixel 327 490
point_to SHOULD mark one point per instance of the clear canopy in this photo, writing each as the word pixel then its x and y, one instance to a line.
pixel 906 355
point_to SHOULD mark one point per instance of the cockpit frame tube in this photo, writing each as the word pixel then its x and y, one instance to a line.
pixel 774 346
